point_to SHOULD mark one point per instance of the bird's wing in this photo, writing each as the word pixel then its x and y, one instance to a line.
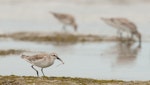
pixel 62 16
pixel 35 58
pixel 128 24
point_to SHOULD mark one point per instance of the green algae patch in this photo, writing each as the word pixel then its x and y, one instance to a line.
pixel 11 52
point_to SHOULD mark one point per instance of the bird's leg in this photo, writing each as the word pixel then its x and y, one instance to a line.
pixel 36 71
pixel 128 38
pixel 120 34
pixel 64 27
pixel 42 71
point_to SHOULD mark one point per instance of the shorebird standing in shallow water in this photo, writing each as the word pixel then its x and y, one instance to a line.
pixel 123 25
pixel 66 19
pixel 42 60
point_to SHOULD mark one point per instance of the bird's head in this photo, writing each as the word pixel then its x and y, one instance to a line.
pixel 56 57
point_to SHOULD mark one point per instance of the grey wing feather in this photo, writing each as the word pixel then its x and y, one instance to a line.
pixel 37 57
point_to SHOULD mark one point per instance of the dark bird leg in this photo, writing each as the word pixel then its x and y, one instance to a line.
pixel 120 34
pixel 36 71
pixel 64 27
pixel 42 71
pixel 131 35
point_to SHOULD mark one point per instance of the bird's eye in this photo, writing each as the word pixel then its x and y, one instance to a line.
pixel 54 55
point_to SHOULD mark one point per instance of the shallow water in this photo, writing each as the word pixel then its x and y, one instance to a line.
pixel 105 60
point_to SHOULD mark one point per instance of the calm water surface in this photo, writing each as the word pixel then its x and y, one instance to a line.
pixel 105 60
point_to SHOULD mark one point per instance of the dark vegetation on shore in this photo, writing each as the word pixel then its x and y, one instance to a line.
pixel 30 80
pixel 11 52
pixel 62 37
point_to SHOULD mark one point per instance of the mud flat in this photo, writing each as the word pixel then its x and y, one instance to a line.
pixel 30 80
pixel 11 52
pixel 59 37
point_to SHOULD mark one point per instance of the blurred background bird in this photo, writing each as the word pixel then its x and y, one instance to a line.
pixel 123 25
pixel 66 19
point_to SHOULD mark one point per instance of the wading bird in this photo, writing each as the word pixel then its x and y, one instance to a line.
pixel 123 25
pixel 42 60
pixel 65 19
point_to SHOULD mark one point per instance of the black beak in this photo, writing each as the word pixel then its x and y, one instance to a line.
pixel 60 60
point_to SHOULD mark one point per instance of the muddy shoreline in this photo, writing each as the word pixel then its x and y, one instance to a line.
pixel 30 80
pixel 60 37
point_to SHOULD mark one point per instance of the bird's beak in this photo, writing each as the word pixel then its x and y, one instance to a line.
pixel 60 60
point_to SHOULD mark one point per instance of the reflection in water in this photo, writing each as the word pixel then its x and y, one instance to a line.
pixel 126 53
